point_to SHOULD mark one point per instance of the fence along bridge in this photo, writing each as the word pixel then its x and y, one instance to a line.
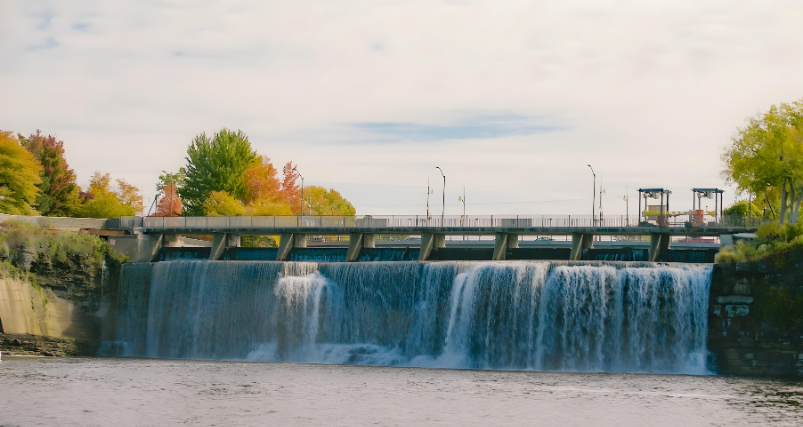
pixel 153 233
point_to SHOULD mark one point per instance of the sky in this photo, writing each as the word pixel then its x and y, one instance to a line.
pixel 512 99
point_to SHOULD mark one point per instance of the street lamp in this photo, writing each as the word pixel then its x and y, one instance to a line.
pixel 593 198
pixel 302 190
pixel 463 219
pixel 443 212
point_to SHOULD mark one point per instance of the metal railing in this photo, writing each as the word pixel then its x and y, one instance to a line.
pixel 422 221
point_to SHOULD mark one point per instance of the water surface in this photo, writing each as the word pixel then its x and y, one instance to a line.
pixel 106 391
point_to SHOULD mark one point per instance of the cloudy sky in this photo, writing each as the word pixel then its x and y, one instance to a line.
pixel 512 99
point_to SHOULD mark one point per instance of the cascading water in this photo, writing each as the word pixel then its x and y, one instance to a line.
pixel 617 316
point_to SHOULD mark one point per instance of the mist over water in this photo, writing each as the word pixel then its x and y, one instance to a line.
pixel 615 317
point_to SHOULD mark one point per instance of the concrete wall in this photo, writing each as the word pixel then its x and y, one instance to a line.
pixel 744 316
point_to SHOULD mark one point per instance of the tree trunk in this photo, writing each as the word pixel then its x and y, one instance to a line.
pixel 784 196
pixel 796 200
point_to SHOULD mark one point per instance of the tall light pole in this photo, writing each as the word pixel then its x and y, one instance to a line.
pixel 443 212
pixel 302 189
pixel 593 198
pixel 463 199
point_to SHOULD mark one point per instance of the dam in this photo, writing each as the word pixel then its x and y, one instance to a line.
pixel 511 315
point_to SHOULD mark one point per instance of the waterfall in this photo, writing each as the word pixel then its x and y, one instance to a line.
pixel 609 316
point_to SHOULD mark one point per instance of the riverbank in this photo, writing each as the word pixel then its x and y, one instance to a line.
pixel 37 345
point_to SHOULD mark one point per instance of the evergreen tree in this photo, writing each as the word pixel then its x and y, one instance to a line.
pixel 216 164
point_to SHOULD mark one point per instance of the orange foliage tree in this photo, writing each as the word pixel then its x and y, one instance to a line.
pixel 170 204
pixel 290 191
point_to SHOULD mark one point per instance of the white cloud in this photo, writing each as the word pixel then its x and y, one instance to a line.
pixel 648 92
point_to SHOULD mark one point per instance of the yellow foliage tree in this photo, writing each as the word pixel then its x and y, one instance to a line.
pixel 221 203
pixel 105 202
pixel 19 177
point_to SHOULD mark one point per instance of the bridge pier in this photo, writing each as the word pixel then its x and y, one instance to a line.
pixel 221 241
pixel 502 243
pixel 658 243
pixel 580 242
pixel 288 241
pixel 429 242
pixel 148 246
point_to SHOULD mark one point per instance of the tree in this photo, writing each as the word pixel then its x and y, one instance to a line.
pixel 327 202
pixel 170 204
pixel 743 208
pixel 266 207
pixel 103 201
pixel 290 191
pixel 221 203
pixel 216 164
pixel 177 178
pixel 768 153
pixel 19 177
pixel 262 181
pixel 59 192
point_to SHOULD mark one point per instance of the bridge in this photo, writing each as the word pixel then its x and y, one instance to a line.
pixel 153 233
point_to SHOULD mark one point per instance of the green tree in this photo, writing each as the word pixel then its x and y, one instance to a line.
pixel 327 202
pixel 167 179
pixel 19 177
pixel 221 203
pixel 767 154
pixel 103 201
pixel 743 208
pixel 216 164
pixel 59 192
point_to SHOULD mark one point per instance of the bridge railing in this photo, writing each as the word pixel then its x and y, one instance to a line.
pixel 418 221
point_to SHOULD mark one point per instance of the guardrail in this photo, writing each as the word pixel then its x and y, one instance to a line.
pixel 418 221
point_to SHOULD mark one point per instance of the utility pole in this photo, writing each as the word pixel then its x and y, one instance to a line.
pixel 463 199
pixel 593 198
pixel 443 212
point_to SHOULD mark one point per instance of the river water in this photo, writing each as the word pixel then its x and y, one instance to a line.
pixel 149 392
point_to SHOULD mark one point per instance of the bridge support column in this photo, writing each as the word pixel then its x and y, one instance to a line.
pixel 356 242
pixel 429 242
pixel 658 244
pixel 726 241
pixel 221 241
pixel 580 242
pixel 368 241
pixel 148 246
pixel 171 241
pixel 503 242
pixel 288 241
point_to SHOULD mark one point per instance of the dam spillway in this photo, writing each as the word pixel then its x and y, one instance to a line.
pixel 613 317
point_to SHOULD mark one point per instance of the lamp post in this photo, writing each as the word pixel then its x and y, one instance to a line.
pixel 463 199
pixel 443 212
pixel 302 189
pixel 593 198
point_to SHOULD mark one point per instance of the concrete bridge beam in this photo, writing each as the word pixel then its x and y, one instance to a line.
pixel 658 243
pixel 503 242
pixel 580 242
pixel 430 242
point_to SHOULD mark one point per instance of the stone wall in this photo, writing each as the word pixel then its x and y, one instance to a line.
pixel 756 320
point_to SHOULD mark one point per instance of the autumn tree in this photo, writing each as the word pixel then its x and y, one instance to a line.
pixel 103 201
pixel 59 191
pixel 19 177
pixel 327 202
pixel 170 204
pixel 290 192
pixel 767 154
pixel 216 164
pixel 262 182
pixel 221 203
